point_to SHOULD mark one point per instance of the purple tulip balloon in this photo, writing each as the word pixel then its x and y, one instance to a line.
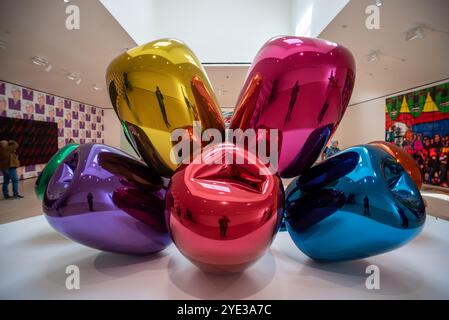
pixel 103 198
pixel 300 86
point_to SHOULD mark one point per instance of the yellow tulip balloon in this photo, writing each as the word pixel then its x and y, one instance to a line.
pixel 157 88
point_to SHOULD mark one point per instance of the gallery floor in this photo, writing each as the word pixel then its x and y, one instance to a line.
pixel 34 260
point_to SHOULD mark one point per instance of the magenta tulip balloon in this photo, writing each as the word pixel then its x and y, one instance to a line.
pixel 300 86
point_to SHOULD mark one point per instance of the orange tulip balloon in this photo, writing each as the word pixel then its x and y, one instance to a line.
pixel 404 159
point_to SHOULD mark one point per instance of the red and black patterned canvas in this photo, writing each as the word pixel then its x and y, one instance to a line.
pixel 38 140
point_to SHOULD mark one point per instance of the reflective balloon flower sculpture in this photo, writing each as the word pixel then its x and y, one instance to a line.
pixel 356 204
pixel 104 199
pixel 157 88
pixel 221 214
pixel 404 159
pixel 301 87
pixel 50 168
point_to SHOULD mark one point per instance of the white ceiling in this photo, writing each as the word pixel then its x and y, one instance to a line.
pixel 31 28
pixel 227 82
pixel 403 64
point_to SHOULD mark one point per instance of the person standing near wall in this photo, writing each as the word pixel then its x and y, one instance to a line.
pixel 9 162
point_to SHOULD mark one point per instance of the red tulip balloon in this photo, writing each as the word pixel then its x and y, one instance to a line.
pixel 300 86
pixel 223 216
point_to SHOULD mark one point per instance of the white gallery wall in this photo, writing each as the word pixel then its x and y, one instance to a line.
pixel 362 123
pixel 217 31
pixel 222 31
pixel 112 129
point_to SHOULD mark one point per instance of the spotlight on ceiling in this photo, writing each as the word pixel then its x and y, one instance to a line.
pixel 40 61
pixel 73 76
pixel 414 33
pixel 95 87
pixel 373 55
pixel 379 3
pixel 48 68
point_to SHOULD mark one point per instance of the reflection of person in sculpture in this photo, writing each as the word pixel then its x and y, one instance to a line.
pixel 160 100
pixel 186 100
pixel 223 223
pixel 293 97
pixel 90 201
pixel 366 206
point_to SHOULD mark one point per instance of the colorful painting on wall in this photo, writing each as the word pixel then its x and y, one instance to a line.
pixel 418 121
pixel 75 120
pixel 38 140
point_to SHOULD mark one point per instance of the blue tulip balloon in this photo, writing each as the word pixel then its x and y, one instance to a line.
pixel 356 204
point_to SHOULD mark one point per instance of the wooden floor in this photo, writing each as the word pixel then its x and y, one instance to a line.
pixel 11 210
pixel 16 209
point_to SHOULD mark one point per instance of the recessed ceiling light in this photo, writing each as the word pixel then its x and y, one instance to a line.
pixel 48 68
pixel 72 76
pixel 66 1
pixel 414 33
pixel 95 87
pixel 379 3
pixel 39 61
pixel 373 55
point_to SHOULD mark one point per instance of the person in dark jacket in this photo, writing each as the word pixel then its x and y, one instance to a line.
pixel 9 162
